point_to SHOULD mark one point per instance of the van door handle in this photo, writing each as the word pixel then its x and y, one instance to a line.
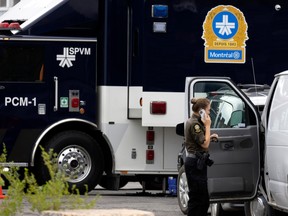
pixel 227 146
pixel 2 87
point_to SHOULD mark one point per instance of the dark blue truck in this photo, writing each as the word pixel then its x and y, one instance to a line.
pixel 102 82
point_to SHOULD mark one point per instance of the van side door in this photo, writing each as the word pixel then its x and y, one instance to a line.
pixel 275 121
pixel 236 169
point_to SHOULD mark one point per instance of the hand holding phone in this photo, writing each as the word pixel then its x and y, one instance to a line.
pixel 202 113
pixel 205 118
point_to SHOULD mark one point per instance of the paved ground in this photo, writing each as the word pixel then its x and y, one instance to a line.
pixel 130 197
pixel 154 201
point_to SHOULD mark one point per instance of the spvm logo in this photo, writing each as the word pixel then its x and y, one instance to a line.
pixel 69 55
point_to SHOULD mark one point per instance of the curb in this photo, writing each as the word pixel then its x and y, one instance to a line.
pixel 98 212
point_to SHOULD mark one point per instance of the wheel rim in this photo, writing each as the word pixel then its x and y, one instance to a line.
pixel 75 162
pixel 215 209
pixel 257 207
pixel 183 190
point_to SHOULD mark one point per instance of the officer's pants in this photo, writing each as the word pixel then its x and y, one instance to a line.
pixel 198 203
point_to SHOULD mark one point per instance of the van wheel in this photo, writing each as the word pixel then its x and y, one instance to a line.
pixel 216 209
pixel 79 157
pixel 182 191
pixel 258 207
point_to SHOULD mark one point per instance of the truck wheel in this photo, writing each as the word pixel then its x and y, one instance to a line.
pixel 152 182
pixel 182 191
pixel 79 156
pixel 105 183
pixel 258 207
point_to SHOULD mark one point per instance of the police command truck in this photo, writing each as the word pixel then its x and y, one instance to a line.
pixel 102 82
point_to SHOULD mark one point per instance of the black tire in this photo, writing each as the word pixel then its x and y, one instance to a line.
pixel 258 207
pixel 152 182
pixel 105 184
pixel 123 182
pixel 182 191
pixel 80 154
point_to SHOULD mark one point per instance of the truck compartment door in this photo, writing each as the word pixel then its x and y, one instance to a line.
pixel 235 172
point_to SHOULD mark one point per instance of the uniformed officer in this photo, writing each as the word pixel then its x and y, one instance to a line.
pixel 197 140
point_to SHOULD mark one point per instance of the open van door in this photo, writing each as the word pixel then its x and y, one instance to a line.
pixel 236 170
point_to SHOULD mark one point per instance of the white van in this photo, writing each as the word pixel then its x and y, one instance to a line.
pixel 249 159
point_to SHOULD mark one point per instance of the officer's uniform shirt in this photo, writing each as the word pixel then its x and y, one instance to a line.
pixel 195 134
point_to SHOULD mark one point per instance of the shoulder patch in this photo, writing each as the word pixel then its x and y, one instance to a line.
pixel 197 128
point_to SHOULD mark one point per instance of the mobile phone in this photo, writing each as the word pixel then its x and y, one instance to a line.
pixel 202 113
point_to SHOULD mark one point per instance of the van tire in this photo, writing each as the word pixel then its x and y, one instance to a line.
pixel 81 154
pixel 216 209
pixel 258 207
pixel 182 191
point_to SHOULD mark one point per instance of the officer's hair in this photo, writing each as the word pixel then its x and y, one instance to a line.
pixel 199 103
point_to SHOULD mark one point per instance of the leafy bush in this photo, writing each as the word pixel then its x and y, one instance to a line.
pixel 53 195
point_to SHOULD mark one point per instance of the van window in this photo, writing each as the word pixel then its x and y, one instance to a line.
pixel 21 64
pixel 227 108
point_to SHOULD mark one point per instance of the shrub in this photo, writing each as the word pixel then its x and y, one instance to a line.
pixel 53 195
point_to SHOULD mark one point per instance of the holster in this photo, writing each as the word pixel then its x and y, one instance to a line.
pixel 203 160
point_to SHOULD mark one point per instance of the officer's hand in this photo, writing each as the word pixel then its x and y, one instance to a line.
pixel 214 137
pixel 206 120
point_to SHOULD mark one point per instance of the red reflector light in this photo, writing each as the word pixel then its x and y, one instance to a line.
pixel 14 25
pixel 75 102
pixel 4 25
pixel 150 136
pixel 150 155
pixel 158 107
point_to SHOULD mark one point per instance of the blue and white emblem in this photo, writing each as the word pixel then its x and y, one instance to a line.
pixel 225 33
pixel 225 25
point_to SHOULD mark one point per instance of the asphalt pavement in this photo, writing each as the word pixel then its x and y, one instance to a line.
pixel 129 197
